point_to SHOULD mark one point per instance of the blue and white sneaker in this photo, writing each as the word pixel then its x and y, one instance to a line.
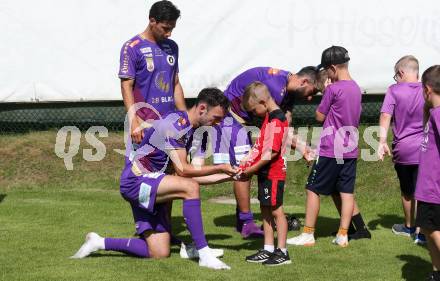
pixel 401 229
pixel 420 239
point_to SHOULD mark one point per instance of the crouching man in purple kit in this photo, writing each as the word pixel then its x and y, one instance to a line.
pixel 147 186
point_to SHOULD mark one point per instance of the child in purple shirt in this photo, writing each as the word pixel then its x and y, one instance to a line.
pixel 334 172
pixel 428 181
pixel 403 105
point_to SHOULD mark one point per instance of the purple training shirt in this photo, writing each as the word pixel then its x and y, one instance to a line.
pixel 153 66
pixel 341 104
pixel 404 101
pixel 428 180
pixel 275 80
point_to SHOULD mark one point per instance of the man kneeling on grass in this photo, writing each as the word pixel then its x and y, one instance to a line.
pixel 146 186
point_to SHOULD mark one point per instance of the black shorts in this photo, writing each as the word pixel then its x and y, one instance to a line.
pixel 270 191
pixel 328 177
pixel 407 175
pixel 428 215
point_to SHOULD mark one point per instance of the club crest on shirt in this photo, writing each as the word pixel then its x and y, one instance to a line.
pixel 150 63
pixel 171 60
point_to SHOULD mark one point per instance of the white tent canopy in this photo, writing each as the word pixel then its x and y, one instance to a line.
pixel 68 50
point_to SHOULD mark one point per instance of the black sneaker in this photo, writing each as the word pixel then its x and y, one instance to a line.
pixel 278 258
pixel 360 234
pixel 293 223
pixel 433 277
pixel 261 256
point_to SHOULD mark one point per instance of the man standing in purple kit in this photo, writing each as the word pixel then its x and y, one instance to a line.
pixel 403 104
pixel 148 186
pixel 149 67
pixel 232 142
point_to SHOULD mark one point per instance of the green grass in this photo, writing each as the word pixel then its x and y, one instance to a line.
pixel 45 211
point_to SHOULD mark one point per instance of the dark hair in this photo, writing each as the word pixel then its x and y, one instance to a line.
pixel 164 11
pixel 213 97
pixel 311 73
pixel 431 78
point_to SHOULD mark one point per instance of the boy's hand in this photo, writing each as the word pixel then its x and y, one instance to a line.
pixel 382 150
pixel 309 155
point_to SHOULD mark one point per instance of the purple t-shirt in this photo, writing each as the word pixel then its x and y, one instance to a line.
pixel 341 104
pixel 428 179
pixel 404 101
pixel 153 66
pixel 275 80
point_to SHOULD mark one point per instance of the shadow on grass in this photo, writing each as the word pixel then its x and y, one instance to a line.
pixel 386 221
pixel 324 228
pixel 2 197
pixel 415 268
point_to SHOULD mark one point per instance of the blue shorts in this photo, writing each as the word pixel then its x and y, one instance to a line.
pixel 231 141
pixel 328 177
pixel 141 192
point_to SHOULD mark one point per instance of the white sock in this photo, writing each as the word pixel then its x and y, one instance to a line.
pixel 269 248
pixel 284 250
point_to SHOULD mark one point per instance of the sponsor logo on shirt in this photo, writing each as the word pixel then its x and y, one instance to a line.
pixel 160 82
pixel 134 43
pixel 158 52
pixel 273 71
pixel 171 60
pixel 146 50
pixel 124 67
pixel 167 48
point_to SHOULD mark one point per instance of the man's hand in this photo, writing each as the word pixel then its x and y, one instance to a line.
pixel 136 130
pixel 309 155
pixel 382 150
pixel 229 170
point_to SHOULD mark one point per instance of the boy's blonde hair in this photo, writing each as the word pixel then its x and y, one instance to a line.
pixel 408 62
pixel 254 93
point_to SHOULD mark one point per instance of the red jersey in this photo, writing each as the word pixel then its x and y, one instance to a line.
pixel 272 138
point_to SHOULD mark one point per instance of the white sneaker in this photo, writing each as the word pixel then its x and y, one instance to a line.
pixel 304 239
pixel 93 243
pixel 207 259
pixel 213 263
pixel 341 240
pixel 190 252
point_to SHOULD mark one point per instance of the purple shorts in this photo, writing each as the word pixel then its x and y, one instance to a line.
pixel 145 221
pixel 231 141
pixel 141 192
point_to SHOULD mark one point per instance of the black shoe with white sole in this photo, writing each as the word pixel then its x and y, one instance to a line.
pixel 260 256
pixel 278 258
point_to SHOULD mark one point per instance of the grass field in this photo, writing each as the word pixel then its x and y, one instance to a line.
pixel 45 211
